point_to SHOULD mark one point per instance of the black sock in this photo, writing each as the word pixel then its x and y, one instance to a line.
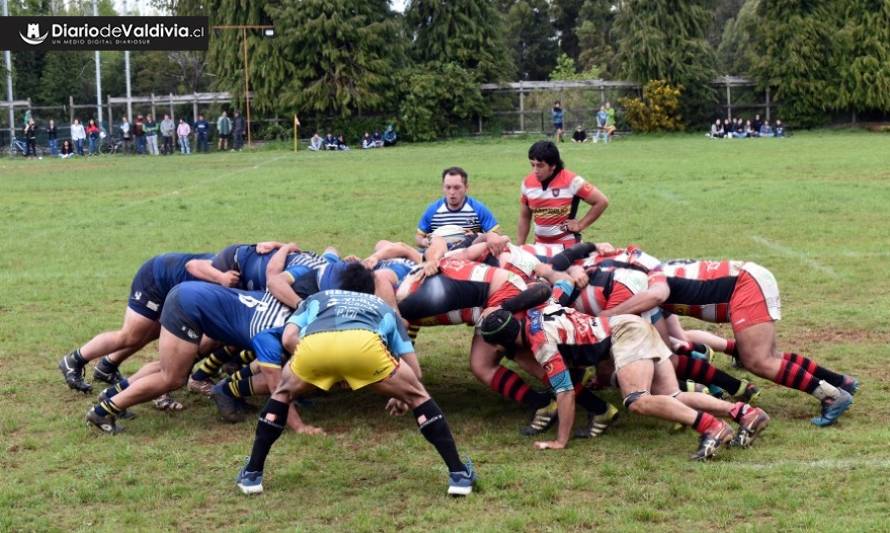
pixel 591 402
pixel 78 358
pixel 211 364
pixel 432 424
pixel 241 388
pixel 106 365
pixel 272 422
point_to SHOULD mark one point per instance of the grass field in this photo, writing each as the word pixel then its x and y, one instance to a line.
pixel 814 208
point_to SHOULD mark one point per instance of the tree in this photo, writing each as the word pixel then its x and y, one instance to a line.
pixel 566 70
pixel 862 56
pixel 594 35
pixel 437 97
pixel 738 48
pixel 665 40
pixel 565 15
pixel 468 33
pixel 531 37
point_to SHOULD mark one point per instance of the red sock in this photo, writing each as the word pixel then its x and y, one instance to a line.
pixel 810 366
pixel 704 422
pixel 795 376
pixel 509 385
pixel 730 348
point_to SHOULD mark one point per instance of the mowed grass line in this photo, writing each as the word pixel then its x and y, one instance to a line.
pixel 812 208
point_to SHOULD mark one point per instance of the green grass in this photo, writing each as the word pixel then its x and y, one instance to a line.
pixel 813 208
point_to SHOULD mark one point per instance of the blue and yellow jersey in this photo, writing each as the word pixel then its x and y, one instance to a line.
pixel 336 310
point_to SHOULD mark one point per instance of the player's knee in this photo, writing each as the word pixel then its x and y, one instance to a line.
pixel 637 401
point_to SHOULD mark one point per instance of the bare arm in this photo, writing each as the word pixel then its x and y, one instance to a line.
pixel 276 264
pixel 204 270
pixel 565 408
pixel 598 203
pixel 524 224
pixel 641 302
pixel 422 240
pixel 280 287
pixel 394 250
pixel 267 246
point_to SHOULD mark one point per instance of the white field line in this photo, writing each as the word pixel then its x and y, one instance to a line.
pixel 672 197
pixel 790 252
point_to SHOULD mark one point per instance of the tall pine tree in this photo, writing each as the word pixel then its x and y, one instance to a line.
pixel 597 48
pixel 566 20
pixel 531 37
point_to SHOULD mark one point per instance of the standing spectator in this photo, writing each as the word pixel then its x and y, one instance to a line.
pixel 610 120
pixel 151 135
pixel 580 135
pixel 556 115
pixel 183 131
pixel 330 142
pixel 139 134
pixel 31 138
pixel 202 133
pixel 780 129
pixel 341 143
pixel 602 118
pixel 237 131
pixel 390 136
pixel 377 139
pixel 52 136
pixel 67 149
pixel 367 142
pixel 224 130
pixel 93 137
pixel 550 196
pixel 78 135
pixel 756 125
pixel 167 128
pixel 126 134
pixel 316 143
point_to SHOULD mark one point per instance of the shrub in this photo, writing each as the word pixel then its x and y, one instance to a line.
pixel 658 110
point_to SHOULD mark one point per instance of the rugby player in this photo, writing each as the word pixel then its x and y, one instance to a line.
pixel 153 281
pixel 455 208
pixel 550 196
pixel 340 335
pixel 562 338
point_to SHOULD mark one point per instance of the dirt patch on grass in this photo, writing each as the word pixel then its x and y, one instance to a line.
pixel 842 336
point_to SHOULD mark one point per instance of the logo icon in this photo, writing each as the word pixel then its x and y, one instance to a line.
pixel 555 192
pixel 34 38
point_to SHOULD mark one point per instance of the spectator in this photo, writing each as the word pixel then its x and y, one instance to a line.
pixel 756 125
pixel 602 119
pixel 556 116
pixel 780 129
pixel 610 120
pixel 126 134
pixel 367 141
pixel 749 130
pixel 341 143
pixel 455 207
pixel 139 134
pixel 378 140
pixel 167 129
pixel 717 131
pixel 765 129
pixel 93 137
pixel 151 135
pixel 224 129
pixel 183 131
pixel 237 131
pixel 580 134
pixel 202 134
pixel 67 149
pixel 31 138
pixel 78 134
pixel 330 142
pixel 316 143
pixel 740 129
pixel 390 136
pixel 52 136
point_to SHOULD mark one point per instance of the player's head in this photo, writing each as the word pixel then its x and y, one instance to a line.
pixel 356 278
pixel 454 186
pixel 544 158
pixel 500 328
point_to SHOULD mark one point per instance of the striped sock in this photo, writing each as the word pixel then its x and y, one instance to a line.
pixel 211 364
pixel 731 348
pixel 509 385
pixel 107 407
pixel 795 376
pixel 238 388
pixel 813 368
pixel 704 422
pixel 701 371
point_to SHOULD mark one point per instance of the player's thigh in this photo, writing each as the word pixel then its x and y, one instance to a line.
pixel 139 327
pixel 756 343
pixel 636 376
pixel 664 379
pixel 403 385
pixel 176 355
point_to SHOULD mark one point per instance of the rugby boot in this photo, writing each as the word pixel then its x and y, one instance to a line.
pixel 73 374
pixel 249 482
pixel 598 424
pixel 711 440
pixel 125 414
pixel 107 371
pixel 228 407
pixel 461 483
pixel 104 423
pixel 542 419
pixel 850 385
pixel 832 409
pixel 751 424
pixel 204 386
pixel 750 394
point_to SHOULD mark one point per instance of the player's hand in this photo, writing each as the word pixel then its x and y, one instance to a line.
pixel 370 262
pixel 355 258
pixel 497 244
pixel 579 276
pixel 306 429
pixel 429 269
pixel 573 226
pixel 549 445
pixel 396 407
pixel 605 248
pixel 263 248
pixel 230 278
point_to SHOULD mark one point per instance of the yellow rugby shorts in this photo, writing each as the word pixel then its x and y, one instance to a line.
pixel 356 356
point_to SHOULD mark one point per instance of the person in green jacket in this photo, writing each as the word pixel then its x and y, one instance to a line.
pixel 224 128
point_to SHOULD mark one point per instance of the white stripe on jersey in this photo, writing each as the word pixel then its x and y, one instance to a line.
pixel 269 313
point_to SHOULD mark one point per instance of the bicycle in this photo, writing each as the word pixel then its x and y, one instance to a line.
pixel 19 146
pixel 110 145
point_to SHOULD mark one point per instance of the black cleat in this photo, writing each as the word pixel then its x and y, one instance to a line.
pixel 104 423
pixel 229 409
pixel 107 371
pixel 73 374
pixel 542 420
pixel 124 415
pixel 712 440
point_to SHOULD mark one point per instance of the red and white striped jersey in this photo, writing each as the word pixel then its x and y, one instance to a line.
pixel 701 289
pixel 553 205
pixel 558 336
pixel 608 288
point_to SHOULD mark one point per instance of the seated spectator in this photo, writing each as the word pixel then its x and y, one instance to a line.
pixel 740 129
pixel 341 143
pixel 330 142
pixel 717 131
pixel 766 130
pixel 390 136
pixel 316 142
pixel 580 135
pixel 728 128
pixel 367 142
pixel 756 125
pixel 378 140
pixel 780 129
pixel 749 130
pixel 67 149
